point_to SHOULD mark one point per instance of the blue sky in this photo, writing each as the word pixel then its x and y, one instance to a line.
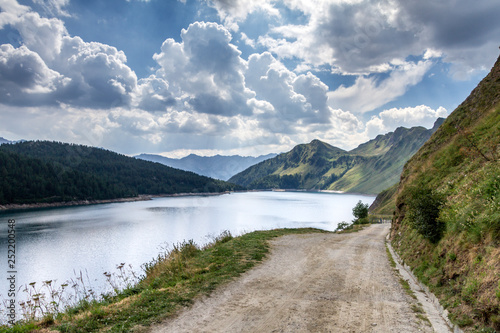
pixel 245 77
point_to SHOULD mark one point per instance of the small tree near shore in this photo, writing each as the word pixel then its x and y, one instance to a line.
pixel 360 212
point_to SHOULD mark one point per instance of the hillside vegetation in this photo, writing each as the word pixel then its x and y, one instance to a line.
pixel 447 210
pixel 370 168
pixel 40 172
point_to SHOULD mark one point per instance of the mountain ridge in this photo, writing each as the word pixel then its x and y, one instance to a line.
pixel 218 166
pixel 369 168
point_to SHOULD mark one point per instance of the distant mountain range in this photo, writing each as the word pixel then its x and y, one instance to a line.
pixel 370 168
pixel 3 140
pixel 218 167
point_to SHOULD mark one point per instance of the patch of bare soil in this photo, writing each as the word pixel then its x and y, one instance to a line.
pixel 310 283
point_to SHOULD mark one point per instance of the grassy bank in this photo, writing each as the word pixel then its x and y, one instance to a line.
pixel 173 280
pixel 446 224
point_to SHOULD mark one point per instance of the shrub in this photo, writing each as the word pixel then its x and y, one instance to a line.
pixel 423 210
pixel 343 226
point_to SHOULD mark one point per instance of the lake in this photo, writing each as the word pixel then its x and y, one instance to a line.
pixel 59 243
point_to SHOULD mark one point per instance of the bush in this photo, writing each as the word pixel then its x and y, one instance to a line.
pixel 343 226
pixel 423 210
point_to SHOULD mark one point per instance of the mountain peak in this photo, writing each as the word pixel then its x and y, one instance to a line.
pixel 438 123
pixel 370 168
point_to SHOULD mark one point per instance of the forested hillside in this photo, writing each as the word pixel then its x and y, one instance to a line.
pixel 370 168
pixel 447 210
pixel 33 172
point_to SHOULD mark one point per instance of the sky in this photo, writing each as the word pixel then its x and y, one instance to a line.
pixel 246 77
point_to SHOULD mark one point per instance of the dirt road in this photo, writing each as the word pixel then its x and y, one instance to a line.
pixel 310 283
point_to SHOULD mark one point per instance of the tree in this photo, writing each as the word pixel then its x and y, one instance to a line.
pixel 360 212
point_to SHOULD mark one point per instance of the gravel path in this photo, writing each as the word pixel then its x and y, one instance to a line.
pixel 310 283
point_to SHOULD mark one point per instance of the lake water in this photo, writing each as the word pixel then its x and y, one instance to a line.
pixel 58 244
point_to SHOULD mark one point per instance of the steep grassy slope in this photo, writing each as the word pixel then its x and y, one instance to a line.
pixel 41 171
pixel 370 168
pixel 453 183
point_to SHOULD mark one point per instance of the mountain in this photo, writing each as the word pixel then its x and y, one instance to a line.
pixel 41 171
pixel 2 141
pixel 218 167
pixel 370 168
pixel 446 207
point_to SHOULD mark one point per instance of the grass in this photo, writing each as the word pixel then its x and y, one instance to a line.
pixel 389 256
pixel 407 288
pixel 173 280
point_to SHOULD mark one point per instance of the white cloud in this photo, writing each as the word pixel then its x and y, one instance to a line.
pixel 152 94
pixel 41 35
pixel 206 70
pixel 368 93
pixel 430 53
pixel 54 7
pixel 248 41
pixel 23 72
pixel 234 11
pixel 99 73
pixel 11 10
pixel 293 100
pixel 95 74
pixel 390 119
pixel 359 35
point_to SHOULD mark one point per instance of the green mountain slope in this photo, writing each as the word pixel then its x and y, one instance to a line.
pixel 33 172
pixel 370 168
pixel 447 210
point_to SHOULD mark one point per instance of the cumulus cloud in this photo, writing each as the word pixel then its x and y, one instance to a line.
pixel 24 77
pixel 368 93
pixel 11 10
pixel 357 36
pixel 152 94
pixel 68 69
pixel 388 120
pixel 41 35
pixel 99 73
pixel 292 100
pixel 206 69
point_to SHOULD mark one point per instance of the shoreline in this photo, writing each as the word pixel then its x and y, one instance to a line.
pixel 142 197
pixel 145 197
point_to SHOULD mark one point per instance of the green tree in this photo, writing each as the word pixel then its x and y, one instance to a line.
pixel 360 212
